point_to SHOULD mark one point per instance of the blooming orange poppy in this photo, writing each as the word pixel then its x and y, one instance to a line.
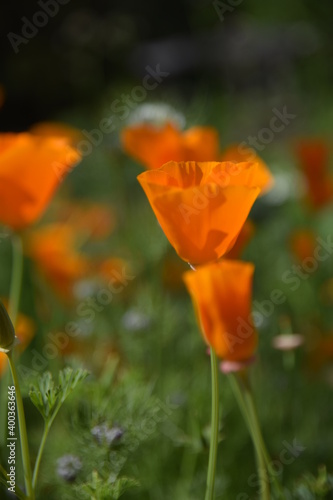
pixel 202 207
pixel 153 146
pixel 221 294
pixel 313 159
pixel 31 167
pixel 238 153
pixel 53 249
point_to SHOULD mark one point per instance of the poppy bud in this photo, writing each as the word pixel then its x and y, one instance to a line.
pixel 7 332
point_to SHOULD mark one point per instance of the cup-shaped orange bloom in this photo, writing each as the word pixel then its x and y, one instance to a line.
pixel 202 206
pixel 31 168
pixel 313 158
pixel 242 153
pixel 222 293
pixel 153 146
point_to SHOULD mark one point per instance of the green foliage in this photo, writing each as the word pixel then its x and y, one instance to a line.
pixel 313 488
pixel 98 489
pixel 48 397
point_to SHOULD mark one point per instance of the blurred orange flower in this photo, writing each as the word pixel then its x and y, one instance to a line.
pixel 57 129
pixel 25 331
pixel 303 243
pixel 313 158
pixel 53 249
pixel 92 220
pixel 112 268
pixel 321 353
pixel 238 154
pixel 30 169
pixel 221 294
pixel 153 146
pixel 202 206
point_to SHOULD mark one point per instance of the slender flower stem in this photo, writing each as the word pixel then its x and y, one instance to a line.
pixel 22 430
pixel 244 398
pixel 16 279
pixel 238 392
pixel 47 427
pixel 214 427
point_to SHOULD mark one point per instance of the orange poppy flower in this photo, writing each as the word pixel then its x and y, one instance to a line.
pixel 239 154
pixel 30 169
pixel 221 294
pixel 313 158
pixel 202 206
pixel 53 249
pixel 153 146
pixel 25 331
pixel 303 244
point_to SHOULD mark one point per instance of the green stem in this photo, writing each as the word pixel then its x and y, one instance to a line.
pixel 14 300
pixel 22 431
pixel 235 384
pixel 214 427
pixel 257 439
pixel 16 279
pixel 47 427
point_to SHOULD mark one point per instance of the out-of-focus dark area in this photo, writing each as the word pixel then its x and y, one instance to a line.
pixel 58 55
